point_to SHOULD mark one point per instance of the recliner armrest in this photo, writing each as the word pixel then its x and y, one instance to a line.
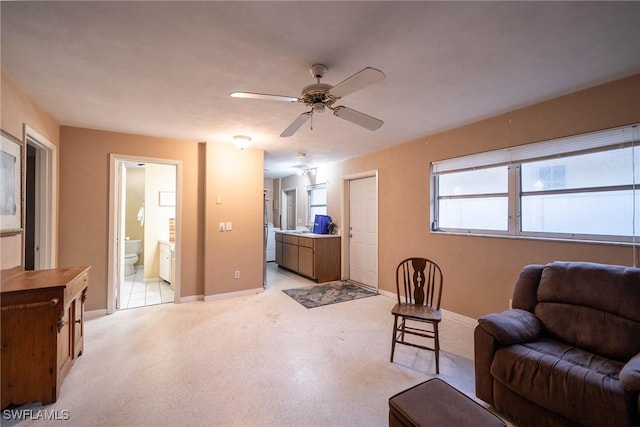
pixel 512 326
pixel 630 374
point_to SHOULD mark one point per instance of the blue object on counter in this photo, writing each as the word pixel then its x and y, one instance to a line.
pixel 321 224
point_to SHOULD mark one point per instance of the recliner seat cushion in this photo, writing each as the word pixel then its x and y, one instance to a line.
pixel 574 383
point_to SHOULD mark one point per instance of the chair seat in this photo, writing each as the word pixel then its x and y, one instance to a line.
pixel 418 312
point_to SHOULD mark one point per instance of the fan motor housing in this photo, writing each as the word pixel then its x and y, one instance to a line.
pixel 317 92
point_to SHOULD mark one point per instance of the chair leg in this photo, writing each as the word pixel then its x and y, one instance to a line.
pixel 393 337
pixel 437 347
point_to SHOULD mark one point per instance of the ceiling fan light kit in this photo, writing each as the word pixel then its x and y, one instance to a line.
pixel 318 96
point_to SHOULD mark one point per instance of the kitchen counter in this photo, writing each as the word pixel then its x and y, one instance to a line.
pixel 307 234
pixel 316 256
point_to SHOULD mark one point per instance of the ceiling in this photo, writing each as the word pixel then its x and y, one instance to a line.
pixel 167 68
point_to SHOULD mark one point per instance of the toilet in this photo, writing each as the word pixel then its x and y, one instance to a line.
pixel 132 249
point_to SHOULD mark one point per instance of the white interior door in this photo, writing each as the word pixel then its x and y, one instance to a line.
pixel 363 231
pixel 122 195
pixel 46 201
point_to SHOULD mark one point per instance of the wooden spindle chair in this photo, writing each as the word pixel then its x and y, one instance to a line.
pixel 419 289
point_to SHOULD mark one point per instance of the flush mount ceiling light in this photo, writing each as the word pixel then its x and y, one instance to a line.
pixel 242 141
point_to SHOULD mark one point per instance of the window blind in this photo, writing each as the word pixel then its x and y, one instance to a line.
pixel 623 135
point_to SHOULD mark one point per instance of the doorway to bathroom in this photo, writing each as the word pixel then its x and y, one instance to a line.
pixel 144 232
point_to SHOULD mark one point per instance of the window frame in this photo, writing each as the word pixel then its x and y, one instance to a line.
pixel 311 188
pixel 514 157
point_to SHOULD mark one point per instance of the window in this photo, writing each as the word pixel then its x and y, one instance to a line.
pixel 475 199
pixel 317 196
pixel 581 187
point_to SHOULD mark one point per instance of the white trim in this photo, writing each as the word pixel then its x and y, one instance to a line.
pixel 226 295
pixel 284 199
pixel 460 318
pixel 192 298
pixel 46 198
pixel 345 215
pixel 114 161
pixel 387 293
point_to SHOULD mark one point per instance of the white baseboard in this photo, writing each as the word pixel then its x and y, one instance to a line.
pixel 469 321
pixel 93 314
pixel 192 298
pixel 215 297
pixel 387 293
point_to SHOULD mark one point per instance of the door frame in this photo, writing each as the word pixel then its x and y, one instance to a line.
pixel 346 181
pixel 46 214
pixel 284 212
pixel 114 267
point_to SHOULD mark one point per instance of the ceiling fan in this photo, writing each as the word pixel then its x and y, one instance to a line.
pixel 319 96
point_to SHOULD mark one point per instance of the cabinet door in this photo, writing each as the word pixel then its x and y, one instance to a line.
pixel 290 256
pixel 279 259
pixel 165 262
pixel 78 327
pixel 305 261
pixel 65 343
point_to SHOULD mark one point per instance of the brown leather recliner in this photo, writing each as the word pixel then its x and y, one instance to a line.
pixel 568 353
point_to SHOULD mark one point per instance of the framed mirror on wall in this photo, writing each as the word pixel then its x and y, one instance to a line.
pixel 11 185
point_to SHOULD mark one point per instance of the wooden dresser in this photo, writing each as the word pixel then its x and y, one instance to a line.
pixel 42 331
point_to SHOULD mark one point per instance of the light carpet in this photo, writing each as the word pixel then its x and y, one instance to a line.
pixel 257 360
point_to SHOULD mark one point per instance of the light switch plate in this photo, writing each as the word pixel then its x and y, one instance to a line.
pixel 221 226
pixel 229 226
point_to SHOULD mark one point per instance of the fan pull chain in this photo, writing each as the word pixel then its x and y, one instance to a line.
pixel 311 122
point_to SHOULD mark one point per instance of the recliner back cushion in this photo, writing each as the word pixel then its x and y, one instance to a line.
pixel 595 307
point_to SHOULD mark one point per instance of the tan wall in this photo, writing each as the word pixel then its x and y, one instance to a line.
pixel 480 271
pixel 234 186
pixel 84 202
pixel 17 110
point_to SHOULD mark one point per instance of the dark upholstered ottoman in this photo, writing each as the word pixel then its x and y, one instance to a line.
pixel 436 403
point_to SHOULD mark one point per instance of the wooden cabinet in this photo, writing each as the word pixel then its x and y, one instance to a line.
pixel 279 256
pixel 42 321
pixel 316 257
pixel 305 261
pixel 290 252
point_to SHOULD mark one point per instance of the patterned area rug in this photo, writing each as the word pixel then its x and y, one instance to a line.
pixel 328 293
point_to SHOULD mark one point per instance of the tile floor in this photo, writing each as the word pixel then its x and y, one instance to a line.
pixel 138 293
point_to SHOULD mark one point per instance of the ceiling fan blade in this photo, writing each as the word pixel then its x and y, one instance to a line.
pixel 297 124
pixel 359 80
pixel 358 118
pixel 251 95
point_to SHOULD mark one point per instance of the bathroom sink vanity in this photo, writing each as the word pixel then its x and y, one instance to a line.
pixel 166 261
pixel 42 331
pixel 316 256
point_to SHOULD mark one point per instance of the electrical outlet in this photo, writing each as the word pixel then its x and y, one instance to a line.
pixel 237 274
